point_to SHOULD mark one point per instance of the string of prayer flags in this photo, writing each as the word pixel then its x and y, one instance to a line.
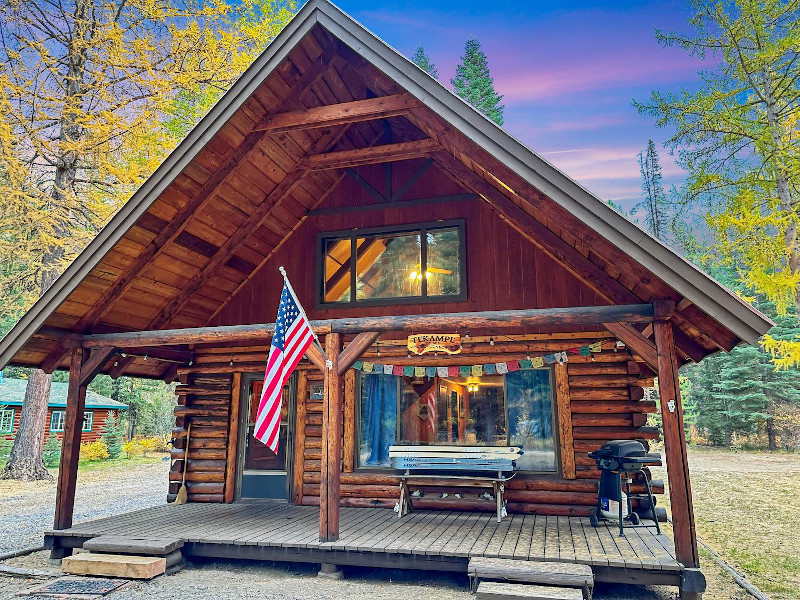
pixel 500 368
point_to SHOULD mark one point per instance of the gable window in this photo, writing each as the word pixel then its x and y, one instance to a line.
pixel 57 420
pixel 514 409
pixel 7 420
pixel 413 263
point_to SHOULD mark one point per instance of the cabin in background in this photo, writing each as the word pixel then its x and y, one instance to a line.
pixel 396 209
pixel 97 410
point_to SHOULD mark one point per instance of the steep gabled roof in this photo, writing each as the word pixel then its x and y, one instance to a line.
pixel 180 212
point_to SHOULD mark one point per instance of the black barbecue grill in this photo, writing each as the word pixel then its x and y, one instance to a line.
pixel 618 460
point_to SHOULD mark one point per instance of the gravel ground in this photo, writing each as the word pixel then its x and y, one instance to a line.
pixel 236 580
pixel 26 509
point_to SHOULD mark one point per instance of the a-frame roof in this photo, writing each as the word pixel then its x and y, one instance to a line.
pixel 222 203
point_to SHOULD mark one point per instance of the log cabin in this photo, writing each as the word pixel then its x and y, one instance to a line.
pixel 396 209
pixel 97 409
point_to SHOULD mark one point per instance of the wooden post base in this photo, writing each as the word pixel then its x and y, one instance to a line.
pixel 59 552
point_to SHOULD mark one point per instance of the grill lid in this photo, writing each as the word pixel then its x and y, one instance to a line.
pixel 619 449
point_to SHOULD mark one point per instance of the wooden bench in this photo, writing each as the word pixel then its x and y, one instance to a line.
pixel 456 466
pixel 570 575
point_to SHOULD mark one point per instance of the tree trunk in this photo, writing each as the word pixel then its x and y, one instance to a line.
pixel 25 462
pixel 772 434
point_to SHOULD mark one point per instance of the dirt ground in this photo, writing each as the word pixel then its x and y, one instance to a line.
pixel 747 508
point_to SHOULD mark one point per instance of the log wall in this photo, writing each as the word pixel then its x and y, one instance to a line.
pixel 606 401
pixel 204 400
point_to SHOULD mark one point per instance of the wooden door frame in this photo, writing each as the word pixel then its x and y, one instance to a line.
pixel 244 414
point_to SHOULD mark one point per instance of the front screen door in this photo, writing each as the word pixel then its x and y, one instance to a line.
pixel 265 474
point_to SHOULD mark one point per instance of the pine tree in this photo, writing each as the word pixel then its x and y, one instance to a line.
pixel 474 83
pixel 654 200
pixel 424 62
pixel 111 433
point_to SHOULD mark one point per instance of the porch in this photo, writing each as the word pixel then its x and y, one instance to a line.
pixel 375 537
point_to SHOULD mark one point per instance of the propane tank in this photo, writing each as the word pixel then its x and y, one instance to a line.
pixel 610 508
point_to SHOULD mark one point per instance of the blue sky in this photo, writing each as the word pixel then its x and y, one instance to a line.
pixel 569 73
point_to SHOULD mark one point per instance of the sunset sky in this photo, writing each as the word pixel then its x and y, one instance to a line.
pixel 568 75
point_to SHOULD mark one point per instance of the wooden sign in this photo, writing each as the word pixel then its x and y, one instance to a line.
pixel 449 343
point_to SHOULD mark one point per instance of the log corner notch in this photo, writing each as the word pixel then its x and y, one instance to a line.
pixel 680 490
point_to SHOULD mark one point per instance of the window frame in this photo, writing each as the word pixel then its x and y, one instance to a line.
pixel 63 414
pixel 556 472
pixel 3 412
pixel 420 228
pixel 90 414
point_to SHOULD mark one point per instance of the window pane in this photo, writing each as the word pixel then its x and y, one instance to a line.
pixel 6 419
pixel 87 420
pixel 378 418
pixel 388 266
pixel 444 266
pixel 530 416
pixel 337 270
pixel 471 411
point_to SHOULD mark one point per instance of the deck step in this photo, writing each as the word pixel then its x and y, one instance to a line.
pixel 491 590
pixel 531 571
pixel 115 544
pixel 115 565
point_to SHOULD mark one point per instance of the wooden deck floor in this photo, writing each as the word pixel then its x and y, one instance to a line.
pixel 376 537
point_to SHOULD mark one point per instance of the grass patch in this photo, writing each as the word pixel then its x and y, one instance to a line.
pixel 746 508
pixel 117 463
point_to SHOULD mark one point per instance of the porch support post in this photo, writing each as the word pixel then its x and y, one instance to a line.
pixel 70 449
pixel 680 491
pixel 331 443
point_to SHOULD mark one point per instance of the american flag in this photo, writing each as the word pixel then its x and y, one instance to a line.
pixel 293 335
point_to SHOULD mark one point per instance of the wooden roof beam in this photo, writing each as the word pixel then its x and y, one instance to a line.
pixel 320 201
pixel 371 155
pixel 500 319
pixel 176 226
pixel 343 113
pixel 633 339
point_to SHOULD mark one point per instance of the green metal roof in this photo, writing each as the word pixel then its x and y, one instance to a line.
pixel 12 393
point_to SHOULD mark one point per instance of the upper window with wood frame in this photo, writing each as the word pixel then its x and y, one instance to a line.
pixel 389 265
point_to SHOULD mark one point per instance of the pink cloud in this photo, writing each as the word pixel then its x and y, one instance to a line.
pixel 596 165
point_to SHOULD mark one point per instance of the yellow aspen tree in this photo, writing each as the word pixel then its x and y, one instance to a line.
pixel 736 134
pixel 84 88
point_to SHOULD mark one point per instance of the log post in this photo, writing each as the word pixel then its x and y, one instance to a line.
pixel 70 449
pixel 233 439
pixel 564 412
pixel 331 443
pixel 301 407
pixel 680 491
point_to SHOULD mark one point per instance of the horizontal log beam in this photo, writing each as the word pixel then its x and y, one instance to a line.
pixel 371 155
pixel 339 114
pixel 532 317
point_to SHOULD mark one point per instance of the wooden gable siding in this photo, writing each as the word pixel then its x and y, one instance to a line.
pixel 504 271
pixel 100 415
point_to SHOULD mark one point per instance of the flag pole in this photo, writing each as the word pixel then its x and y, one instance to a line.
pixel 328 362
